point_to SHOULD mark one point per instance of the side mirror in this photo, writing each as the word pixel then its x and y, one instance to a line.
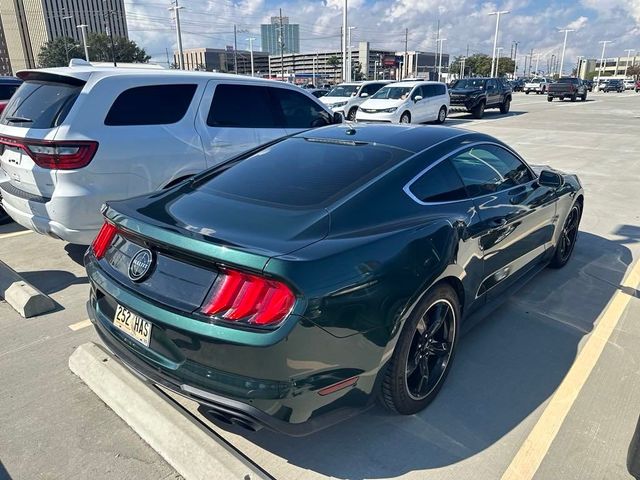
pixel 417 98
pixel 550 179
pixel 364 94
pixel 337 118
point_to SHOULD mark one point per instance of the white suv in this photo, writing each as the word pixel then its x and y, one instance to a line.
pixel 407 102
pixel 347 97
pixel 72 138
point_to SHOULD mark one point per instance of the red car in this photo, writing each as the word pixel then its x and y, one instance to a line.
pixel 637 86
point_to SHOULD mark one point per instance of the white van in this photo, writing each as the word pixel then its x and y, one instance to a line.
pixel 73 138
pixel 347 97
pixel 407 102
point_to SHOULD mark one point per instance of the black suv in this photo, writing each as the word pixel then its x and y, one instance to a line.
pixel 614 85
pixel 475 95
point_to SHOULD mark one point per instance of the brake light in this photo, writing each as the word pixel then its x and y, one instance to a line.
pixel 103 240
pixel 243 297
pixel 67 155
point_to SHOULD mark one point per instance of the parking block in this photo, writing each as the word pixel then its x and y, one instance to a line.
pixel 186 445
pixel 27 300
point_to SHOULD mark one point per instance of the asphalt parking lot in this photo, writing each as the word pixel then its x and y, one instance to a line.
pixel 497 411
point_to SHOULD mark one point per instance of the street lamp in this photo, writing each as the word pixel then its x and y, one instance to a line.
pixel 604 45
pixel 498 50
pixel 349 61
pixel 83 30
pixel 440 40
pixel 495 38
pixel 251 39
pixel 564 46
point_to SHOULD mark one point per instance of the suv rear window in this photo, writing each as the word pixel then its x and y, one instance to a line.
pixel 151 105
pixel 38 104
pixel 303 173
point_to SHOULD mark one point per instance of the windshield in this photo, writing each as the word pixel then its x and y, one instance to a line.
pixel 343 91
pixel 537 80
pixel 392 93
pixel 469 83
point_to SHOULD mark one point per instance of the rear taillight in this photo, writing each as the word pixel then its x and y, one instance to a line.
pixel 67 155
pixel 243 297
pixel 104 239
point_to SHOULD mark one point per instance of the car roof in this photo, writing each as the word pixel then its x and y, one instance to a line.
pixel 10 80
pixel 413 138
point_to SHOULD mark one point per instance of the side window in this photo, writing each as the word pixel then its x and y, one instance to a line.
pixel 242 106
pixel 427 91
pixel 151 105
pixel 439 184
pixel 372 88
pixel 298 110
pixel 441 90
pixel 487 169
pixel 491 85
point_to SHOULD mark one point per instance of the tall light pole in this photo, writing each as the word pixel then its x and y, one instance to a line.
pixel 251 39
pixel 537 62
pixel 515 59
pixel 495 38
pixel 349 62
pixel 176 8
pixel 564 47
pixel 626 65
pixel 498 50
pixel 440 41
pixel 83 30
pixel 604 45
pixel 344 41
pixel 64 33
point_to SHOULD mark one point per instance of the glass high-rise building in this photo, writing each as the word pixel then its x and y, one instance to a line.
pixel 271 35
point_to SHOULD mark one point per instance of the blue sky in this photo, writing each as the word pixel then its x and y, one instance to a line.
pixel 534 24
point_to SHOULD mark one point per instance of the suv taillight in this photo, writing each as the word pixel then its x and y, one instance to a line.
pixel 67 155
pixel 243 297
pixel 104 239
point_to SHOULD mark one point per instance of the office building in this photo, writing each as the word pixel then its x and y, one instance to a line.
pixel 273 33
pixel 29 24
pixel 5 63
pixel 612 66
pixel 222 60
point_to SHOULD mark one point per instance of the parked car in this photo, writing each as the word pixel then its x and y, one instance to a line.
pixel 475 95
pixel 613 85
pixel 517 85
pixel 75 137
pixel 537 85
pixel 601 84
pixel 8 86
pixel 637 86
pixel 347 97
pixel 589 84
pixel 567 87
pixel 318 92
pixel 293 285
pixel 629 84
pixel 407 102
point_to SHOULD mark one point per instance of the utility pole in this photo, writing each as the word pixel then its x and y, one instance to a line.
pixel 564 47
pixel 235 49
pixel 251 39
pixel 344 41
pixel 498 59
pixel 626 64
pixel 281 36
pixel 537 62
pixel 166 50
pixel 604 45
pixel 83 31
pixel 441 41
pixel 515 60
pixel 530 61
pixel 349 59
pixel 405 72
pixel 176 8
pixel 64 34
pixel 109 13
pixel 435 59
pixel 495 38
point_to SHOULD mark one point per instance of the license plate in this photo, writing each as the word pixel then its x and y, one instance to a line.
pixel 133 325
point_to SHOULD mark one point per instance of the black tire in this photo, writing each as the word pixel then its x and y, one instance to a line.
pixel 574 97
pixel 478 110
pixel 506 106
pixel 405 117
pixel 584 97
pixel 549 98
pixel 351 116
pixel 569 234
pixel 527 92
pixel 442 115
pixel 428 352
pixel 4 217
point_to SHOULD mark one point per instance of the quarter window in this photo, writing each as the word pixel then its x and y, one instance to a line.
pixel 151 105
pixel 439 184
pixel 298 110
pixel 487 169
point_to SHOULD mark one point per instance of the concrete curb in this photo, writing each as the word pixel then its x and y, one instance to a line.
pixel 27 300
pixel 185 445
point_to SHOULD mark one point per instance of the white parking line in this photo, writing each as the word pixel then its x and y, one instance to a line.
pixel 15 234
pixel 80 325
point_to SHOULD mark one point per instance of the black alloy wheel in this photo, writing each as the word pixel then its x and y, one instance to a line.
pixel 549 98
pixel 351 116
pixel 568 237
pixel 405 118
pixel 423 354
pixel 478 111
pixel 506 106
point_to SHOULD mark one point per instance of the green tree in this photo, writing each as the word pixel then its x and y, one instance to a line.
pixel 357 72
pixel 334 62
pixel 54 52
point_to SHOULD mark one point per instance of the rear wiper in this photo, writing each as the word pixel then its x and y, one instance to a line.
pixel 19 119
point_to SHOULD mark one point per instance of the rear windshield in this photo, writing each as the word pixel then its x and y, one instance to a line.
pixel 303 173
pixel 38 104
pixel 567 80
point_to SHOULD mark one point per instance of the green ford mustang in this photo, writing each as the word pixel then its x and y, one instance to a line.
pixel 292 286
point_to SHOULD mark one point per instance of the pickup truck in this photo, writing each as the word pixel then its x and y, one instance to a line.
pixel 538 85
pixel 567 87
pixel 475 95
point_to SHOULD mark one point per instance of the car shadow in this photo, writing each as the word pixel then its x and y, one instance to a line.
pixel 4 475
pixel 76 252
pixel 464 117
pixel 11 227
pixel 52 281
pixel 505 368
